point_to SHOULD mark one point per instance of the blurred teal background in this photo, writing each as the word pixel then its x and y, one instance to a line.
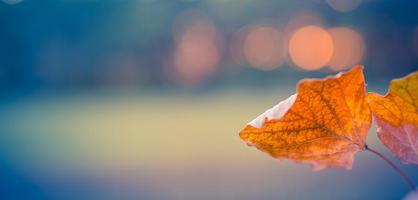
pixel 144 99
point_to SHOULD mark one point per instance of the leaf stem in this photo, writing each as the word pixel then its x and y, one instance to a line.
pixel 396 168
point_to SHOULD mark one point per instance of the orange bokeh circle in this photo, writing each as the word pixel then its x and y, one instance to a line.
pixel 311 47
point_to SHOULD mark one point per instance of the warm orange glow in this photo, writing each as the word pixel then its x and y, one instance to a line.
pixel 311 47
pixel 264 47
pixel 197 53
pixel 348 48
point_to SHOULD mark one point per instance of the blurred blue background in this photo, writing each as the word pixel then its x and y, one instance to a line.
pixel 144 99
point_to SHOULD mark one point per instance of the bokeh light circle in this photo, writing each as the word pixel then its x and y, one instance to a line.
pixel 236 45
pixel 311 47
pixel 199 48
pixel 344 5
pixel 264 47
pixel 349 48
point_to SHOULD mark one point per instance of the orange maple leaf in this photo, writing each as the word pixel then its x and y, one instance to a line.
pixel 396 116
pixel 324 124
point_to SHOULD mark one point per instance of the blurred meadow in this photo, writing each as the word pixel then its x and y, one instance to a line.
pixel 144 99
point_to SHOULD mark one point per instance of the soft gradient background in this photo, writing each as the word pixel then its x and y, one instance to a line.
pixel 144 99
